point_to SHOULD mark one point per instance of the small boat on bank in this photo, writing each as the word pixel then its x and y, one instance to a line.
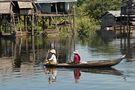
pixel 89 64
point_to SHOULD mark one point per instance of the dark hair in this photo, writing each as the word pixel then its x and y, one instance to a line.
pixel 79 56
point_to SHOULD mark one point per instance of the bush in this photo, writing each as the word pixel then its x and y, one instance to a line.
pixel 86 27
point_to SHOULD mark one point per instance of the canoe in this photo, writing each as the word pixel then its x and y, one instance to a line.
pixel 89 64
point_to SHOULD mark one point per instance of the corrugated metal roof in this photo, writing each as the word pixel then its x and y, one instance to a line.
pixel 25 5
pixel 53 1
pixel 115 13
pixel 16 0
pixel 5 7
pixel 4 0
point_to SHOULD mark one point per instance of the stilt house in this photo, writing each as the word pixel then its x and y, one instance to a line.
pixel 54 6
pixel 110 19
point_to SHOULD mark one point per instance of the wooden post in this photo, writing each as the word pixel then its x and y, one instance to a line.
pixel 13 21
pixel 19 25
pixel 27 46
pixel 56 9
pixel 33 49
pixel 36 22
pixel 43 24
pixel 32 22
pixel 25 23
pixel 31 25
pixel 56 14
pixel 50 20
pixel 0 27
pixel 74 20
pixel 5 26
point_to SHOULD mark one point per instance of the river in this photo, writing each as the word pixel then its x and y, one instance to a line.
pixel 21 64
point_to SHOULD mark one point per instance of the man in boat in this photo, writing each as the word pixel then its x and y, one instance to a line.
pixel 52 57
pixel 77 58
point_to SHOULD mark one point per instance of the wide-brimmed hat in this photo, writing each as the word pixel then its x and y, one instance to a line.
pixel 53 51
pixel 75 52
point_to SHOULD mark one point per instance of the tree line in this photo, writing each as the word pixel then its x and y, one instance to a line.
pixel 89 13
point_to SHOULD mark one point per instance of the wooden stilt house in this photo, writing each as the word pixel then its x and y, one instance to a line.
pixel 110 20
pixel 26 7
pixel 26 10
pixel 15 13
pixel 5 16
pixel 128 17
pixel 54 6
pixel 53 10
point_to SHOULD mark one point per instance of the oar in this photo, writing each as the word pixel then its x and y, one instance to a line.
pixel 46 57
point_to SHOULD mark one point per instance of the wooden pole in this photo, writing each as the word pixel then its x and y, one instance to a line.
pixel 19 25
pixel 43 24
pixel 36 22
pixel 56 14
pixel 25 23
pixel 31 25
pixel 33 49
pixel 56 9
pixel 50 20
pixel 74 20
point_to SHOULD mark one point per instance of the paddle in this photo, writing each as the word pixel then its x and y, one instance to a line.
pixel 45 61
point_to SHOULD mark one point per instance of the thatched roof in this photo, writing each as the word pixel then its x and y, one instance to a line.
pixel 54 1
pixel 24 5
pixel 5 7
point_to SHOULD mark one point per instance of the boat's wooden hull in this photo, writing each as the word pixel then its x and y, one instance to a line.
pixel 89 64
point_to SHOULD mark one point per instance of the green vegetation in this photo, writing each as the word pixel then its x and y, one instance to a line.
pixel 89 13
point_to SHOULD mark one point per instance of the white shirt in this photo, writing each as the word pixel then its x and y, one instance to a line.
pixel 53 58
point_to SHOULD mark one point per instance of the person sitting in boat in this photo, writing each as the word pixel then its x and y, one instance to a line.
pixel 52 57
pixel 77 58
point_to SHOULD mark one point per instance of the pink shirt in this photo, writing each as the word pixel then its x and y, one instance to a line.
pixel 76 59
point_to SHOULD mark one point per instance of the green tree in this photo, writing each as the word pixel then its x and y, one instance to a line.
pixel 96 8
pixel 89 13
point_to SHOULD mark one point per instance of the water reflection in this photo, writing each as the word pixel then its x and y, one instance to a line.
pixel 52 74
pixel 77 75
pixel 109 71
pixel 33 50
pixel 98 45
pixel 127 47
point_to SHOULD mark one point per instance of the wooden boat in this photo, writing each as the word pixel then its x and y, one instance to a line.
pixel 89 64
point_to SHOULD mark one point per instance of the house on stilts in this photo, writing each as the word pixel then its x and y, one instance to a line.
pixel 55 13
pixel 15 15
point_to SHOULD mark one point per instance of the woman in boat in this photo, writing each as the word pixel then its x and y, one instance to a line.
pixel 77 58
pixel 52 57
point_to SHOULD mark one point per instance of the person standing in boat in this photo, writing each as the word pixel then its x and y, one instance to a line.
pixel 76 59
pixel 52 57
